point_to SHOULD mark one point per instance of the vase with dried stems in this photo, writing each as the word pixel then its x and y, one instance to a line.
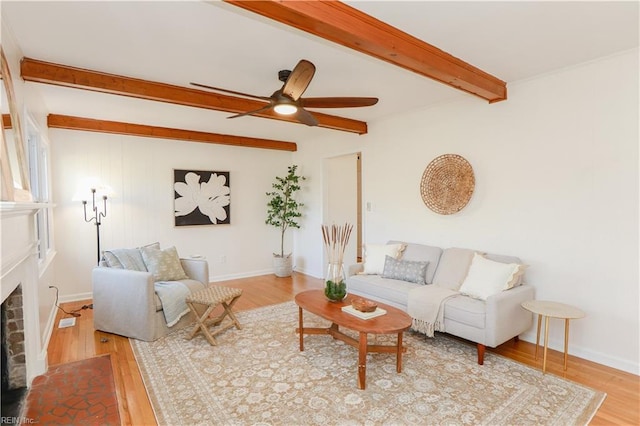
pixel 336 239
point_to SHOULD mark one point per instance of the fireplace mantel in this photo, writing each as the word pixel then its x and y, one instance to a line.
pixel 19 266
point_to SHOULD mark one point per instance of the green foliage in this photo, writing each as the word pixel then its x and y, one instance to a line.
pixel 335 291
pixel 283 211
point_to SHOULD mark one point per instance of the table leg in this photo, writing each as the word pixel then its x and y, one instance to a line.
pixel 301 329
pixel 399 354
pixel 546 343
pixel 566 342
pixel 362 360
pixel 538 336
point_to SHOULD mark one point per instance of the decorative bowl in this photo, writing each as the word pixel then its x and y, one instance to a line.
pixel 364 305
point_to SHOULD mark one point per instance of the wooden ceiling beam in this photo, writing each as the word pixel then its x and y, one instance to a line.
pixel 78 78
pixel 102 126
pixel 345 25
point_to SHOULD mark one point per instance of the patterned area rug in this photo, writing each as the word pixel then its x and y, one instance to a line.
pixel 258 376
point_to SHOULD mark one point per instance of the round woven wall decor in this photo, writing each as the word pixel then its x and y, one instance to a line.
pixel 447 184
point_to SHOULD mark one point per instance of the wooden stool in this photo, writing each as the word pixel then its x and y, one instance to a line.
pixel 213 296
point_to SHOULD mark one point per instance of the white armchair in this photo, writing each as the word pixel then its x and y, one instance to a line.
pixel 125 302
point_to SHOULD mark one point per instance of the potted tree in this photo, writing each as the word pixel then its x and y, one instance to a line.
pixel 283 212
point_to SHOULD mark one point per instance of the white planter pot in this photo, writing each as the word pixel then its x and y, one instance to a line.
pixel 282 266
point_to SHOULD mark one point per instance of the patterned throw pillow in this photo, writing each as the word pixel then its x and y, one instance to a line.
pixel 163 264
pixel 405 270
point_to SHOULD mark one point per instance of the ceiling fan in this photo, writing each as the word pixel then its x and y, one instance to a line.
pixel 288 101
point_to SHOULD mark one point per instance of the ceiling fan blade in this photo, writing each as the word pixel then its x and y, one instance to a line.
pixel 342 102
pixel 255 111
pixel 305 117
pixel 233 92
pixel 299 79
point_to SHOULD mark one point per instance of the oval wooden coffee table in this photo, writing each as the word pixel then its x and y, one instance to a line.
pixel 394 321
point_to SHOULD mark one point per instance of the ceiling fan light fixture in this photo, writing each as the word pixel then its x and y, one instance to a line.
pixel 285 109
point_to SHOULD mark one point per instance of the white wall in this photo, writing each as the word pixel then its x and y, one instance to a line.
pixel 556 169
pixel 140 170
pixel 39 309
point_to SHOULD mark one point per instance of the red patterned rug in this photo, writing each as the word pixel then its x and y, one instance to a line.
pixel 81 392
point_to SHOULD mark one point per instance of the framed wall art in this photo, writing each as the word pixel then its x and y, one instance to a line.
pixel 201 197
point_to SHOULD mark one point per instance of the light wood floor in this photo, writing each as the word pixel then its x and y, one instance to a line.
pixel 621 407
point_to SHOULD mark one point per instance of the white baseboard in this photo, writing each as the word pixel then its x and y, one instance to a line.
pixel 589 355
pixel 227 277
pixel 309 273
pixel 75 297
pixel 49 327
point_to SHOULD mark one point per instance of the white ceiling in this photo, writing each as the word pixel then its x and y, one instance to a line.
pixel 221 45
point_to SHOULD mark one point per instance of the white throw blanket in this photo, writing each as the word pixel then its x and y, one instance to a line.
pixel 426 308
pixel 172 294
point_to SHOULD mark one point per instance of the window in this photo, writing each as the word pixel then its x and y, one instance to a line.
pixel 38 149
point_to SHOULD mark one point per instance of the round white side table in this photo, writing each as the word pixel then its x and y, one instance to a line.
pixel 546 309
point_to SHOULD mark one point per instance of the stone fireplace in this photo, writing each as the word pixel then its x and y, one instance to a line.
pixel 23 352
pixel 14 370
pixel 14 367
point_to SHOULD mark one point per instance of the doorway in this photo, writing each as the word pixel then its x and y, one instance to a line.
pixel 343 199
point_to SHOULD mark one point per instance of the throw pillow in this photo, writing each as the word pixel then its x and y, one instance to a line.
pixel 405 270
pixel 130 259
pixel 374 256
pixel 163 264
pixel 486 277
pixel 111 260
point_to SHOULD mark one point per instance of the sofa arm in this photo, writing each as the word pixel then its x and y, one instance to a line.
pixel 505 317
pixel 354 269
pixel 123 302
pixel 196 269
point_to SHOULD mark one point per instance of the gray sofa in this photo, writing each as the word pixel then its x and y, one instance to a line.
pixel 125 302
pixel 486 323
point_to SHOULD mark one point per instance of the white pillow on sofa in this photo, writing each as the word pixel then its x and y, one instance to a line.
pixel 487 277
pixel 375 254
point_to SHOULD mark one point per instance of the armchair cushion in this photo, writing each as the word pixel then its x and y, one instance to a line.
pixel 163 264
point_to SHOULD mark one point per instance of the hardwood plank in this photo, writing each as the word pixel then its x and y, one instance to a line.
pixel 621 406
pixel 103 126
pixel 349 27
pixel 79 78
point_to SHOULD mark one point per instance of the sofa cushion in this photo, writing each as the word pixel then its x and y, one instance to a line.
pixel 487 277
pixel 374 256
pixel 452 268
pixel 405 270
pixel 192 285
pixel 376 287
pixel 465 310
pixel 422 253
pixel 163 264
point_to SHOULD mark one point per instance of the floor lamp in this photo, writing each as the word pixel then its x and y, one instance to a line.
pixel 96 215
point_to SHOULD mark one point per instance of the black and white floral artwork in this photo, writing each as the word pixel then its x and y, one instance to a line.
pixel 201 197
